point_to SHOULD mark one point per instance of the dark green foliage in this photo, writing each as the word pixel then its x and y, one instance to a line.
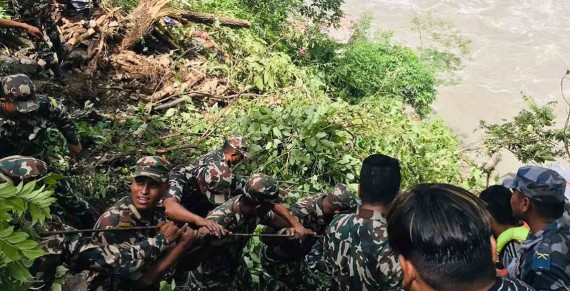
pixel 379 68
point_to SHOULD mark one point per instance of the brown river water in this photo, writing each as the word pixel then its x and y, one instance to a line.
pixel 518 47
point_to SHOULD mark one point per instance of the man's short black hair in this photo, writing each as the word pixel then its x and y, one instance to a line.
pixel 444 231
pixel 379 179
pixel 498 201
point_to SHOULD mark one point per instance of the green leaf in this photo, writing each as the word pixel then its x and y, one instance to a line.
pixel 277 133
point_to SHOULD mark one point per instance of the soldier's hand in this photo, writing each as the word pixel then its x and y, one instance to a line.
pixel 300 231
pixel 170 231
pixel 75 150
pixel 34 32
pixel 213 227
pixel 187 236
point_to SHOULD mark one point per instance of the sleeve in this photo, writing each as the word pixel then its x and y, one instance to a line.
pixel 116 260
pixel 63 122
pixel 546 270
pixel 238 185
pixel 178 179
pixel 509 254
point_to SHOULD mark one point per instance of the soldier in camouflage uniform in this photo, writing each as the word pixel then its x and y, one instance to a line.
pixel 356 245
pixel 37 13
pixel 234 150
pixel 224 267
pixel 24 120
pixel 26 116
pixel 78 252
pixel 138 266
pixel 538 199
pixel 195 190
pixel 284 260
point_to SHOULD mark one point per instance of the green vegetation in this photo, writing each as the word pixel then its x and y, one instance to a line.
pixel 532 135
pixel 21 208
pixel 312 108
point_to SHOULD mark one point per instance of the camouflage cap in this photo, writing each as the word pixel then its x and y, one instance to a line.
pixel 538 183
pixel 20 90
pixel 154 167
pixel 14 168
pixel 342 198
pixel 216 178
pixel 261 188
pixel 236 142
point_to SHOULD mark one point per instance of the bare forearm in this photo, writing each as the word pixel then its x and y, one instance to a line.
pixel 278 222
pixel 178 213
pixel 12 24
pixel 284 213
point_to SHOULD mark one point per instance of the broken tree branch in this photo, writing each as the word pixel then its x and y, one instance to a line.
pixel 209 18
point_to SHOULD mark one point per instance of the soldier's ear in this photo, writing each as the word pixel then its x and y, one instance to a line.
pixel 525 205
pixel 409 272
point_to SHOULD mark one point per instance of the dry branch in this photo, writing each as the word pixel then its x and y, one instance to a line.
pixel 209 18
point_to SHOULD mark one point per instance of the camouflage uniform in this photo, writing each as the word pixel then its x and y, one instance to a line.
pixel 544 258
pixel 284 260
pixel 225 268
pixel 148 245
pixel 218 182
pixel 38 13
pixel 235 141
pixel 27 134
pixel 358 253
pixel 18 168
pixel 74 250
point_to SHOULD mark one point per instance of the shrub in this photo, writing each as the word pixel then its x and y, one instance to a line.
pixel 379 68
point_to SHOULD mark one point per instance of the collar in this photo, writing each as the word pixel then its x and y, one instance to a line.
pixel 370 214
pixel 557 225
pixel 127 204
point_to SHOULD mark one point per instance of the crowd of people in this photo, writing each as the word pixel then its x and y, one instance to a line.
pixel 199 217
pixel 514 236
pixel 192 222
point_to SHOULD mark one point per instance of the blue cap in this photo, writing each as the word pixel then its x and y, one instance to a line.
pixel 538 183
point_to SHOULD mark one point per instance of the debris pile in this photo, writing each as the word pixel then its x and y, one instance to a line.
pixel 107 61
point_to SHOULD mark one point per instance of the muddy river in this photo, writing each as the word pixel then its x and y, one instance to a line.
pixel 518 47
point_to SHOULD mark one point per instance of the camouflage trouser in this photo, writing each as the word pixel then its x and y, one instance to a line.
pixel 241 281
pixel 38 13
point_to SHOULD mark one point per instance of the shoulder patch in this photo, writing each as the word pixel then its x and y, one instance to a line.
pixel 541 258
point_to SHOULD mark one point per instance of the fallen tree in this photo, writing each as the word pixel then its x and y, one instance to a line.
pixel 107 48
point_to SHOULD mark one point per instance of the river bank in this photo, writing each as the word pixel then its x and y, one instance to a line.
pixel 517 48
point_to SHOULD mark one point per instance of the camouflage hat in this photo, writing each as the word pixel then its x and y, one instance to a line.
pixel 20 90
pixel 538 183
pixel 236 142
pixel 21 168
pixel 342 198
pixel 154 167
pixel 261 188
pixel 217 179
